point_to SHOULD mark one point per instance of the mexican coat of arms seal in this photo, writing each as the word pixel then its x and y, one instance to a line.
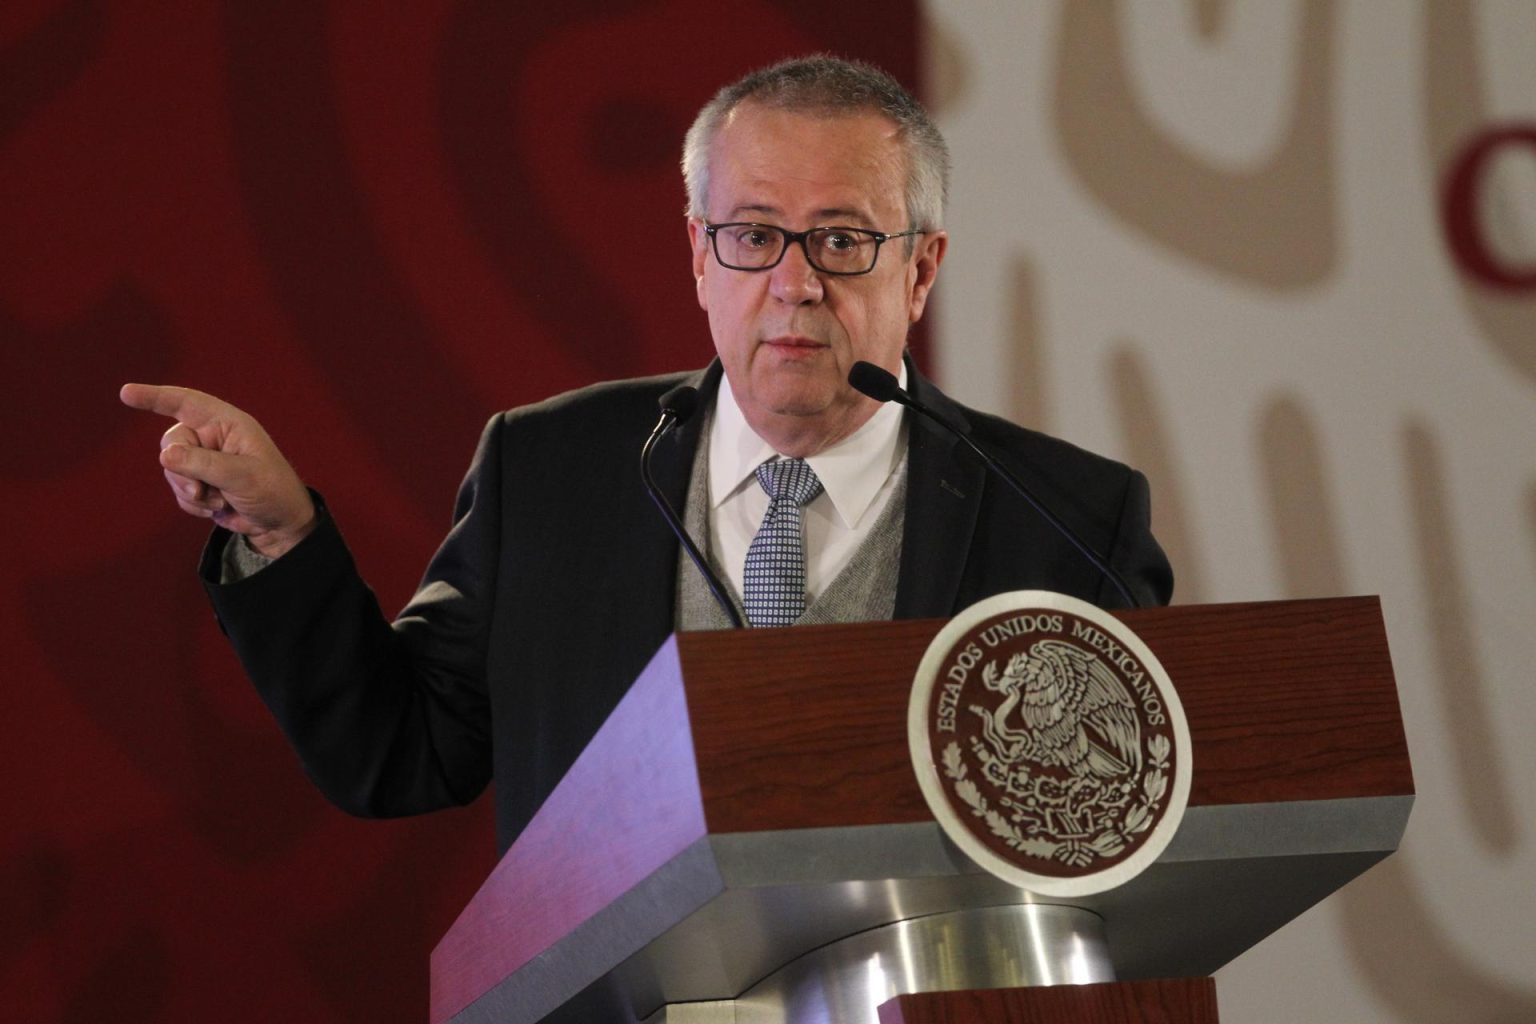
pixel 1049 743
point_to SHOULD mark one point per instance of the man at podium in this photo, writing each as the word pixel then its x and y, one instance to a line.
pixel 815 224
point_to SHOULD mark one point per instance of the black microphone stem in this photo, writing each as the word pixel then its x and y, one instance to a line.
pixel 880 384
pixel 669 418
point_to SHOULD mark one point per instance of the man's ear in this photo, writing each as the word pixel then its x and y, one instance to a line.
pixel 699 241
pixel 924 270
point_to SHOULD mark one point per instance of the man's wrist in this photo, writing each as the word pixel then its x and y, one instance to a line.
pixel 277 543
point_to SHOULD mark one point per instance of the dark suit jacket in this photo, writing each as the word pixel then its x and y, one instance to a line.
pixel 557 583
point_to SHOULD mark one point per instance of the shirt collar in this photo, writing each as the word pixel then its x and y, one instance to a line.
pixel 851 471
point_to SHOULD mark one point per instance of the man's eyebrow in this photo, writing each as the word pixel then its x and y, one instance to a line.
pixel 749 208
pixel 847 213
pixel 826 216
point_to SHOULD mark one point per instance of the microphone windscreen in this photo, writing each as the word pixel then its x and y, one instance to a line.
pixel 681 402
pixel 871 380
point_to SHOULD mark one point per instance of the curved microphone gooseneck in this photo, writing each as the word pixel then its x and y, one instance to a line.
pixel 677 406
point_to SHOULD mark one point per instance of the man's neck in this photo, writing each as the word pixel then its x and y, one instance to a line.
pixel 800 437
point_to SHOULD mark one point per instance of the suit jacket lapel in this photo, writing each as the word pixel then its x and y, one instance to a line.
pixel 945 482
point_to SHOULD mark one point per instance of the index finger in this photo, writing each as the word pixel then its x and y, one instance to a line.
pixel 194 408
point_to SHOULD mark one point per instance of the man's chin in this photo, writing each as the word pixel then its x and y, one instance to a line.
pixel 798 410
pixel 800 401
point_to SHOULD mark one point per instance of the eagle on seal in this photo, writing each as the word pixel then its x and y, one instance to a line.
pixel 1072 713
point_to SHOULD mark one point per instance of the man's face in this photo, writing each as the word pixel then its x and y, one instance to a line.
pixel 788 336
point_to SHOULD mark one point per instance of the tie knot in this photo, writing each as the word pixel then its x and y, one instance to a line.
pixel 789 480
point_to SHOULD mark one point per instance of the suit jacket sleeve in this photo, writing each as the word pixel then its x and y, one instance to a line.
pixel 388 719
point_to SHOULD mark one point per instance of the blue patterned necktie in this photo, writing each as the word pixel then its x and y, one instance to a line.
pixel 774 581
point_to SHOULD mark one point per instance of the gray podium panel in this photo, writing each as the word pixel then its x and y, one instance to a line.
pixel 732 910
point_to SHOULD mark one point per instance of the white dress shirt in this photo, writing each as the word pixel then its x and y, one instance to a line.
pixel 857 477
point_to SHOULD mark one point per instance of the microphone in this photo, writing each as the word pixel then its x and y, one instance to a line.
pixel 677 406
pixel 880 384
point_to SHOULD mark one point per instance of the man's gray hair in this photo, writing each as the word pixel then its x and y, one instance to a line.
pixel 830 86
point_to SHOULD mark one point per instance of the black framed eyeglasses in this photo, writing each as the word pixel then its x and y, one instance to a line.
pixel 845 252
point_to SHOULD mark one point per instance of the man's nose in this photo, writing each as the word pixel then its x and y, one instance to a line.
pixel 794 280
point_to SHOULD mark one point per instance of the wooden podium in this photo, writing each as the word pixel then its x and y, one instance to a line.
pixel 748 821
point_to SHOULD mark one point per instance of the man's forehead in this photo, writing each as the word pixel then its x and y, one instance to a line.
pixel 766 158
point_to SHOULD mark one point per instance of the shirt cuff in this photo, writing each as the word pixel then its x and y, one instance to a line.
pixel 241 561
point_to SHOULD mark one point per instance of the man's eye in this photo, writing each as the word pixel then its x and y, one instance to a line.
pixel 840 241
pixel 754 238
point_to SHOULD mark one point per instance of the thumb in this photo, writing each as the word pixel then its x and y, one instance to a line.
pixel 212 467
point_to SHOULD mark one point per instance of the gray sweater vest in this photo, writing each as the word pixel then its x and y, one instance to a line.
pixel 865 591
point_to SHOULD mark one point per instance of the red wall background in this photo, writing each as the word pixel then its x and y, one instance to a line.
pixel 372 226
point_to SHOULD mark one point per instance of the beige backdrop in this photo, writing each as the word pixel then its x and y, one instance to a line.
pixel 1209 238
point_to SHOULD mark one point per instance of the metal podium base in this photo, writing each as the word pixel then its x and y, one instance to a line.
pixel 846 981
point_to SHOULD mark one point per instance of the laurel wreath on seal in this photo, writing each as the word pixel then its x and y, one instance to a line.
pixel 1078 853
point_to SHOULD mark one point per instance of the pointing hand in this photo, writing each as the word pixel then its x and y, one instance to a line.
pixel 221 465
